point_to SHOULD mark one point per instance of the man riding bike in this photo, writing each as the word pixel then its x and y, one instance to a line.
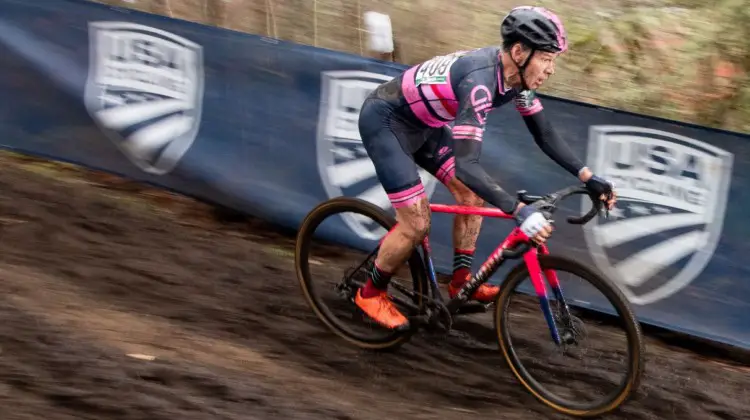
pixel 404 123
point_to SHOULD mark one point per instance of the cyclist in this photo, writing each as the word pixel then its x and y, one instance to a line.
pixel 404 123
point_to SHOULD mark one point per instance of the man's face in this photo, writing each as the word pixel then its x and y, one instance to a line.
pixel 541 67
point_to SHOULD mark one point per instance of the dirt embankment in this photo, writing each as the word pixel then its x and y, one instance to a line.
pixel 93 275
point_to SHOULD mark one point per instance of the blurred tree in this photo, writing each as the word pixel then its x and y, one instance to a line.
pixel 680 59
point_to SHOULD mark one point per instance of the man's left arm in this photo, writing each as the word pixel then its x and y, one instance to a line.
pixel 556 148
pixel 547 138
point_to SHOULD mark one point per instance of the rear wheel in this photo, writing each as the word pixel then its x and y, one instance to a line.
pixel 599 374
pixel 334 303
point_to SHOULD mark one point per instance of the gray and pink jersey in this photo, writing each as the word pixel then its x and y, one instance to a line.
pixel 462 88
pixel 459 88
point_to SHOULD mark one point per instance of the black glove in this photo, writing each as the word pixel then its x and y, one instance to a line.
pixel 598 186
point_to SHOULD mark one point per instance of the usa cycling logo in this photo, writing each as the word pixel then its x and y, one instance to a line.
pixel 145 91
pixel 345 168
pixel 672 195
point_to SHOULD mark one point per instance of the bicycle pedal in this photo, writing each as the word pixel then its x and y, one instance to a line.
pixel 473 308
pixel 439 326
pixel 438 329
pixel 431 322
pixel 417 321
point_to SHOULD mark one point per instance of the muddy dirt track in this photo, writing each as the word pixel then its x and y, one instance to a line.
pixel 91 279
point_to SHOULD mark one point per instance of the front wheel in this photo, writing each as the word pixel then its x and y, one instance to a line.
pixel 598 374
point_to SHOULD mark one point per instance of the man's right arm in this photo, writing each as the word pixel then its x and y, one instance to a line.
pixel 467 148
pixel 470 172
pixel 474 95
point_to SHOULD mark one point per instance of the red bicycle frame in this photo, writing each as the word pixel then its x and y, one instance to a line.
pixel 501 253
pixel 511 241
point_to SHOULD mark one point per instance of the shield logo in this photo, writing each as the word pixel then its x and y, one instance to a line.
pixel 672 195
pixel 145 92
pixel 343 164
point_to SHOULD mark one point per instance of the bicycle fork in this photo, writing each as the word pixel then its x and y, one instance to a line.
pixel 531 259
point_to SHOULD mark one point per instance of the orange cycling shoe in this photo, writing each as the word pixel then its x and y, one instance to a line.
pixel 486 293
pixel 381 310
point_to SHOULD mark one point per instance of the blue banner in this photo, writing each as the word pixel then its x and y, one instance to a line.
pixel 270 128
